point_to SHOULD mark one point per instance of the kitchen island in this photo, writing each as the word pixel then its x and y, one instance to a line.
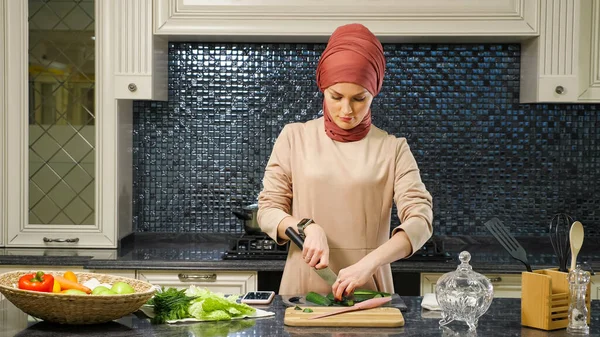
pixel 502 319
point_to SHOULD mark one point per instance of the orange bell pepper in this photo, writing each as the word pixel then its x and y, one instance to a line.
pixel 37 282
pixel 69 275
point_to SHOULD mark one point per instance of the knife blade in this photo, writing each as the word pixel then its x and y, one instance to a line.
pixel 325 273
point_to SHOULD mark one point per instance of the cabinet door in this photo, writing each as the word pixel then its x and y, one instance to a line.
pixel 595 287
pixel 62 186
pixel 129 273
pixel 505 285
pixel 227 282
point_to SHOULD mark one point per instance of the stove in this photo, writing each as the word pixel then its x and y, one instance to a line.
pixel 262 247
pixel 432 251
pixel 255 247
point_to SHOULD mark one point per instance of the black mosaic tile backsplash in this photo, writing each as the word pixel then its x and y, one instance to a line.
pixel 481 153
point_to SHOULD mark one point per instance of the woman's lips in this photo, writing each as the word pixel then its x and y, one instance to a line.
pixel 346 119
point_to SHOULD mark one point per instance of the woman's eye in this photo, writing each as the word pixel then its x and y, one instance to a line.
pixel 336 98
pixel 359 99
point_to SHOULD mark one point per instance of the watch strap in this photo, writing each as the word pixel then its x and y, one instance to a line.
pixel 302 225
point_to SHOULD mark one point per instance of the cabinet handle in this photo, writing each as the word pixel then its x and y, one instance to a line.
pixel 496 279
pixel 559 89
pixel 205 277
pixel 132 87
pixel 74 240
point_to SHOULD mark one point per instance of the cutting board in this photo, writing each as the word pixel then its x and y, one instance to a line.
pixel 376 317
pixel 291 301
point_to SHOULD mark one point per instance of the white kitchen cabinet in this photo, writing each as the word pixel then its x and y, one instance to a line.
pixel 505 285
pixel 103 254
pixel 227 282
pixel 563 63
pixel 3 109
pixel 140 58
pixel 595 287
pixel 111 192
pixel 391 20
pixel 129 273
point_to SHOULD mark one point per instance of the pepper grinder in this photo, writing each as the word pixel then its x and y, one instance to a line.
pixel 578 311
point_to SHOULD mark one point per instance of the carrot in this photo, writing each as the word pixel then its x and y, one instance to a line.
pixel 68 284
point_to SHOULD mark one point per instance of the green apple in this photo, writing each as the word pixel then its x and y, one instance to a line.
pixel 99 290
pixel 107 292
pixel 122 288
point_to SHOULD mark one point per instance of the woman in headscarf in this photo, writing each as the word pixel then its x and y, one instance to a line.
pixel 340 175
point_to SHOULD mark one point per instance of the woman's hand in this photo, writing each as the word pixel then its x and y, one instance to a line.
pixel 351 278
pixel 316 250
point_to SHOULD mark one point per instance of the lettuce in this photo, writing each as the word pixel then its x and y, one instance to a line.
pixel 207 305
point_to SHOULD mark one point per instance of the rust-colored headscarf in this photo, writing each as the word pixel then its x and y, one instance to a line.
pixel 353 55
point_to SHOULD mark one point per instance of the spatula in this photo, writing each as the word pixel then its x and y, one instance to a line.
pixel 368 304
pixel 512 246
pixel 576 238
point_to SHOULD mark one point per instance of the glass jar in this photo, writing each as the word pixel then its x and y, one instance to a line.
pixel 464 294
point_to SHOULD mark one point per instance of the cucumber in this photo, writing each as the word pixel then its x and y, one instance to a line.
pixel 371 292
pixel 317 299
pixel 358 296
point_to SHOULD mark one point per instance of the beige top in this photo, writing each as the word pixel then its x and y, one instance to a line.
pixel 348 189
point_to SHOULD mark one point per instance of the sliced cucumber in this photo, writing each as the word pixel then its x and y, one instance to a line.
pixel 317 299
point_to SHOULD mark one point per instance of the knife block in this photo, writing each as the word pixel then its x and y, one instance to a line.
pixel 545 299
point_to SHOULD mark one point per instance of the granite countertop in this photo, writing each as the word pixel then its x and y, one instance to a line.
pixel 502 319
pixel 205 252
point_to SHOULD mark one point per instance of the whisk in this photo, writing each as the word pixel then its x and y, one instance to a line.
pixel 559 237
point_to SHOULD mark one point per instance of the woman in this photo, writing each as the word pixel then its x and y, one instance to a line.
pixel 343 173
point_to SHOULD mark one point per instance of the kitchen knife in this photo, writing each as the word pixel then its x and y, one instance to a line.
pixel 368 304
pixel 326 273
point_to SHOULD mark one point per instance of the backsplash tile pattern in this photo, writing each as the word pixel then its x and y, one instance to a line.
pixel 481 152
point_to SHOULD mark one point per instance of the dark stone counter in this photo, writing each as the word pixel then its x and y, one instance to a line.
pixel 502 319
pixel 205 252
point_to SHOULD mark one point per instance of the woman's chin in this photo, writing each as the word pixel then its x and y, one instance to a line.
pixel 345 126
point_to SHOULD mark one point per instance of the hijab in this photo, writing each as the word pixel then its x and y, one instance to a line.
pixel 353 55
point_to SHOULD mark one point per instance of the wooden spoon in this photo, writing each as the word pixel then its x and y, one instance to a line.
pixel 576 239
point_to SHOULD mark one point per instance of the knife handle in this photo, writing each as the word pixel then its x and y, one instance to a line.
pixel 295 237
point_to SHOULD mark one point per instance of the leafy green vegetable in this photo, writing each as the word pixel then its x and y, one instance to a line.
pixel 170 304
pixel 215 306
pixel 297 308
pixel 307 310
pixel 199 303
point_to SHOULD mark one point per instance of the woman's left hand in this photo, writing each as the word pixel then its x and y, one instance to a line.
pixel 351 278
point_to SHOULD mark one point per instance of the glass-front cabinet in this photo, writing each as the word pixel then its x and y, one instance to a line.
pixel 54 127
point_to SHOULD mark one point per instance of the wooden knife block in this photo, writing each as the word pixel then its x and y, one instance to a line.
pixel 545 299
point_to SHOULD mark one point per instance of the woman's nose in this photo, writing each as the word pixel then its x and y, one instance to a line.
pixel 346 108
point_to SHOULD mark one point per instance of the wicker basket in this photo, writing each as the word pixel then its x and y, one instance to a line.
pixel 76 309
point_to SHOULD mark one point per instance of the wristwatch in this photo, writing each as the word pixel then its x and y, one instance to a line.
pixel 302 225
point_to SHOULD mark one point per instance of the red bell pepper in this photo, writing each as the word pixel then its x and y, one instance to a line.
pixel 37 282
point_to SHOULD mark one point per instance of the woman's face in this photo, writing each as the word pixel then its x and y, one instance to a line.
pixel 348 103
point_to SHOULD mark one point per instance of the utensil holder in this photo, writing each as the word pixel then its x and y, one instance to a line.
pixel 545 299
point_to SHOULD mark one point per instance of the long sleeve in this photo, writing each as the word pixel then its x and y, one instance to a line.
pixel 275 199
pixel 413 201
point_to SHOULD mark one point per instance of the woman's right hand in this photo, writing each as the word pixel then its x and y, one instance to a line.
pixel 316 250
